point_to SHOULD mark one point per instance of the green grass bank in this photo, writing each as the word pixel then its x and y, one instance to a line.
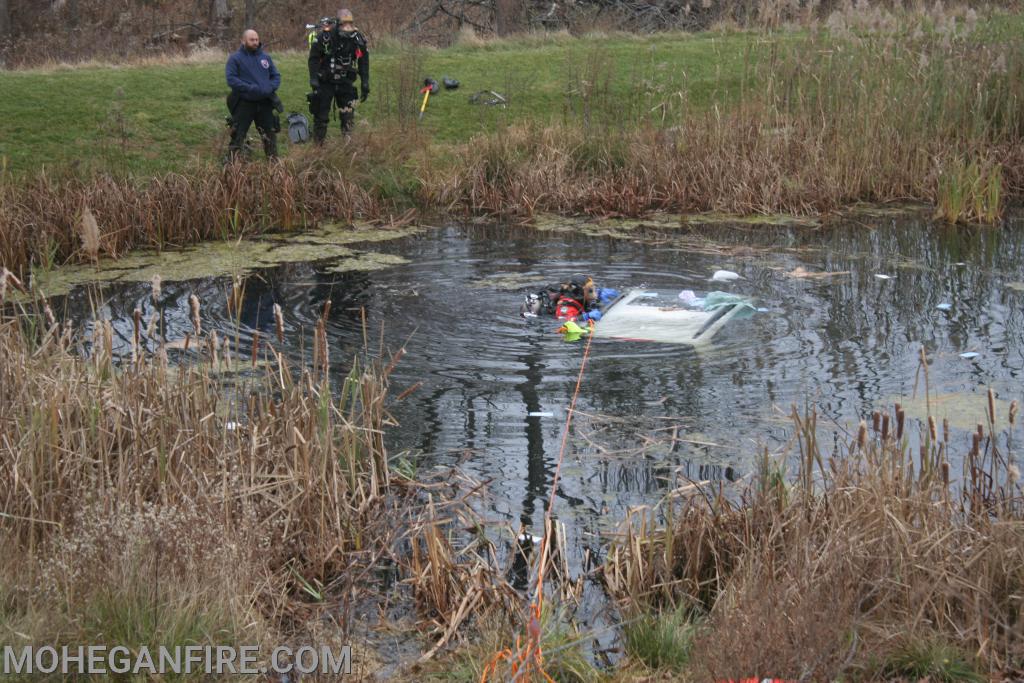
pixel 872 107
pixel 159 117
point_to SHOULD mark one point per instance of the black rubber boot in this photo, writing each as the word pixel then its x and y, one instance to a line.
pixel 348 122
pixel 270 145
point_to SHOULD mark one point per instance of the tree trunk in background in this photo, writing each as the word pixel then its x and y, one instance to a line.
pixel 72 6
pixel 5 19
pixel 250 13
pixel 506 18
pixel 220 19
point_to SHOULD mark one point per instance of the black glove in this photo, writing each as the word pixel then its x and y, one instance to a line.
pixel 365 91
pixel 314 83
pixel 278 104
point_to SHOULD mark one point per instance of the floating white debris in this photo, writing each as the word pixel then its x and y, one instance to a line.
pixel 969 354
pixel 724 276
pixel 539 413
pixel 880 276
pixel 527 537
pixel 231 426
pixel 944 307
pixel 763 310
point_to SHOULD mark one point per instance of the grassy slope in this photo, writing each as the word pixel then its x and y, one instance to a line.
pixel 155 118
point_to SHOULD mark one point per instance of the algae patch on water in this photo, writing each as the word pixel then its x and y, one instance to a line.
pixel 238 257
pixel 630 228
pixel 964 410
pixel 367 261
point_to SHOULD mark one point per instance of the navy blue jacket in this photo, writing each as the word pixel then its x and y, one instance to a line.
pixel 252 75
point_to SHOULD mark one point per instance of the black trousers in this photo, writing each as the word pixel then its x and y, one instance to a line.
pixel 262 113
pixel 344 93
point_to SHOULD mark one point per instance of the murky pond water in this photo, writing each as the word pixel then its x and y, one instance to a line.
pixel 847 342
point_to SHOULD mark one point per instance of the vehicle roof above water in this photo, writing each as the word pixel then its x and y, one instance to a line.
pixel 646 315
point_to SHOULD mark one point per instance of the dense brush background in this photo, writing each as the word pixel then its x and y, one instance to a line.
pixel 35 31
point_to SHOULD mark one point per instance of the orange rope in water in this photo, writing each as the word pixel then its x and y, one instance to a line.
pixel 532 652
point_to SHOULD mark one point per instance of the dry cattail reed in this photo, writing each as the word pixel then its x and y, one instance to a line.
pixel 933 431
pixel 89 231
pixel 51 319
pixel 214 345
pixel 15 282
pixel 197 323
pixel 876 421
pixel 885 426
pixel 945 430
pixel 900 419
pixel 255 347
pixel 862 435
pixel 279 323
pixel 1013 412
pixel 991 407
pixel 155 288
pixel 3 285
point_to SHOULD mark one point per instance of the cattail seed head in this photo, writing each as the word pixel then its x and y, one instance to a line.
pixel 3 285
pixel 876 421
pixel 862 435
pixel 89 231
pixel 900 419
pixel 932 429
pixel 1013 412
pixel 197 323
pixel 991 406
pixel 945 430
pixel 155 283
pixel 885 426
pixel 136 326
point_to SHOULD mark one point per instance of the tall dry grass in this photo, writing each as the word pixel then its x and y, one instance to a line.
pixel 873 563
pixel 42 214
pixel 232 498
pixel 873 111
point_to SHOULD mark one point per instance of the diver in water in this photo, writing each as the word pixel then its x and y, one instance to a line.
pixel 578 299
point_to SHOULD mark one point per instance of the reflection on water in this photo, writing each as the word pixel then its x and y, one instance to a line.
pixel 651 414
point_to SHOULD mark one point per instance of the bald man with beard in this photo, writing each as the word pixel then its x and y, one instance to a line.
pixel 254 81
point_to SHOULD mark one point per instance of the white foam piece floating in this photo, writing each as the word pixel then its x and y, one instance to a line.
pixel 527 537
pixel 944 307
pixel 636 317
pixel 969 354
pixel 540 413
pixel 725 276
pixel 882 276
